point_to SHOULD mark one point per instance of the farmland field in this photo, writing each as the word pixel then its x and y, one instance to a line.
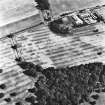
pixel 41 46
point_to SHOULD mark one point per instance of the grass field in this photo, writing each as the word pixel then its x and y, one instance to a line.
pixel 63 5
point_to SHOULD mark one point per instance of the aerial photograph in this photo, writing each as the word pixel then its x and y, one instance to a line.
pixel 52 52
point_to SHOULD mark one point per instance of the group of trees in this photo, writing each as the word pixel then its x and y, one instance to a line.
pixel 42 4
pixel 65 86
pixel 58 27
